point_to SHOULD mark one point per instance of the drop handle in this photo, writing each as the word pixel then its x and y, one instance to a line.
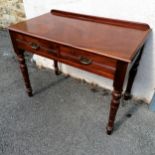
pixel 34 46
pixel 85 60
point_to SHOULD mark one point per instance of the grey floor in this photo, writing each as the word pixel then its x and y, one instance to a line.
pixel 65 116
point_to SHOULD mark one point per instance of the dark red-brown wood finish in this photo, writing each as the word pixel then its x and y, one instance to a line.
pixel 99 45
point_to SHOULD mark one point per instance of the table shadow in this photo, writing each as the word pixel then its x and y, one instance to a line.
pixel 52 84
pixel 127 115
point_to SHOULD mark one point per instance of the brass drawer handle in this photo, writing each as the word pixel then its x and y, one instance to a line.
pixel 85 61
pixel 34 46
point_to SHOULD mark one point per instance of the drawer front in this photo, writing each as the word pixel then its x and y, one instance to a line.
pixel 88 61
pixel 37 46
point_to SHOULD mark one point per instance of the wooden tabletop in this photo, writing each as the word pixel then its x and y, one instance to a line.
pixel 112 38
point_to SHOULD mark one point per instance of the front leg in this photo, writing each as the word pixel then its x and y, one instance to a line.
pixel 24 71
pixel 116 94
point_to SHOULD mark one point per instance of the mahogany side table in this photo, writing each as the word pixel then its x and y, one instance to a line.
pixel 99 45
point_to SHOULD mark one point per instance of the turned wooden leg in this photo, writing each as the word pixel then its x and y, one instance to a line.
pixel 132 74
pixel 116 94
pixel 57 72
pixel 23 68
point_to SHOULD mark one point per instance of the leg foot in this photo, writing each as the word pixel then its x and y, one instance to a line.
pixel 127 96
pixel 109 130
pixel 30 94
pixel 57 72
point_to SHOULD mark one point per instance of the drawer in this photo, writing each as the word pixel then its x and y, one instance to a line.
pixel 88 61
pixel 37 46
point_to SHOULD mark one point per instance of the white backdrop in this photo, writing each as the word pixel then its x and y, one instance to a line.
pixel 134 10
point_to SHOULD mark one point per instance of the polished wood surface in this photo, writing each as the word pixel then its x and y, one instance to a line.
pixel 99 45
pixel 112 40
